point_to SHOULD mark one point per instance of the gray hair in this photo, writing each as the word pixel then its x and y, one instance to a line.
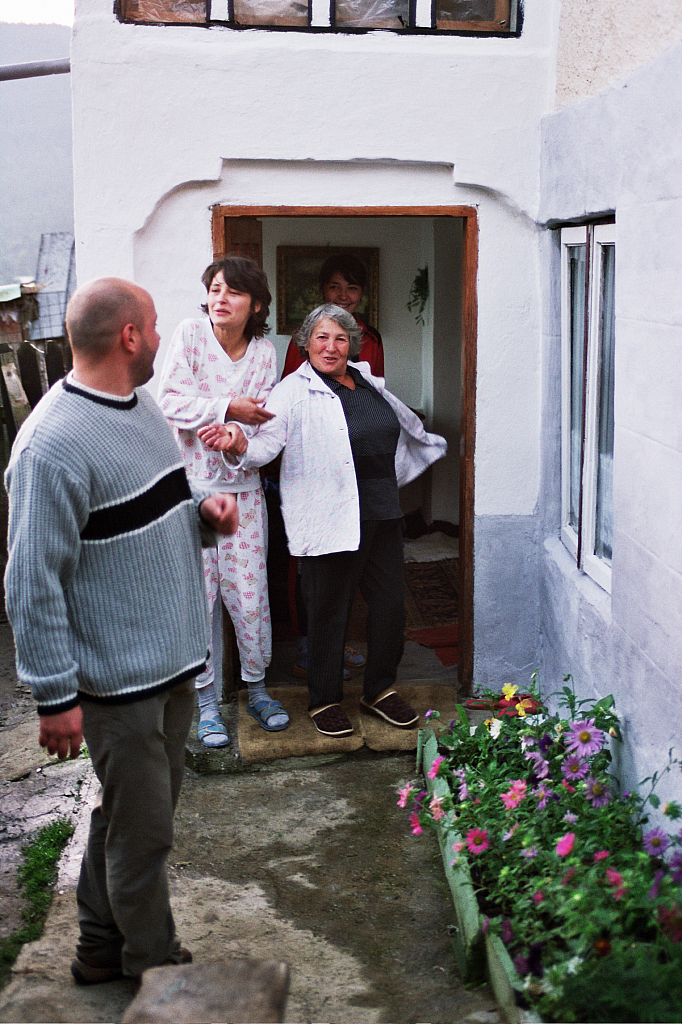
pixel 328 311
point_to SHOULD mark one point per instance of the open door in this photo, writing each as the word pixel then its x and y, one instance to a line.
pixel 238 229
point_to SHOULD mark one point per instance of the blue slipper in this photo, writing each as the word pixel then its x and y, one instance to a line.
pixel 213 727
pixel 263 710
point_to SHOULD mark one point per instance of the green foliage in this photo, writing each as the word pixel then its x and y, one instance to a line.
pixel 566 871
pixel 419 295
pixel 36 876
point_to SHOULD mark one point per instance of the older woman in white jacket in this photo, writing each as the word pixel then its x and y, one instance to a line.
pixel 347 445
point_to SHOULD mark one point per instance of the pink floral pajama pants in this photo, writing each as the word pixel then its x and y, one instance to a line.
pixel 237 568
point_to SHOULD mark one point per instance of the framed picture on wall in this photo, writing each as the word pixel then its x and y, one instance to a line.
pixel 298 286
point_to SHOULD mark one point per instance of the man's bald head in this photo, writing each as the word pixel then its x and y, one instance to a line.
pixel 99 310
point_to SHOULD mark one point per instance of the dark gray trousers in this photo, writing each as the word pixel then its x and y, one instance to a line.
pixel 138 753
pixel 329 583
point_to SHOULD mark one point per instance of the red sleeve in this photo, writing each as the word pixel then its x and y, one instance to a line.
pixel 372 350
pixel 293 360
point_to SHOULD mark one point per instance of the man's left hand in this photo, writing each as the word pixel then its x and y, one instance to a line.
pixel 221 513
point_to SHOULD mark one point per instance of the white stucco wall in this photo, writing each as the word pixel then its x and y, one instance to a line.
pixel 602 40
pixel 182 117
pixel 622 151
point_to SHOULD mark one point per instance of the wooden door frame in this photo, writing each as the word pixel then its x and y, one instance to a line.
pixel 468 214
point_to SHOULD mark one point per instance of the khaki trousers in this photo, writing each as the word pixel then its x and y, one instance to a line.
pixel 138 753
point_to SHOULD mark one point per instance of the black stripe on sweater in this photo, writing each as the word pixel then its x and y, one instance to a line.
pixel 136 513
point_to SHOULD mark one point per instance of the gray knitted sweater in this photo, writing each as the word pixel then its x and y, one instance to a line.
pixel 104 583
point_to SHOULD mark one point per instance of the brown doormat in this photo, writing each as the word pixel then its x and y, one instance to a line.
pixel 301 738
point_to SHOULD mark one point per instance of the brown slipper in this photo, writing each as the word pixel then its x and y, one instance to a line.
pixel 392 708
pixel 331 720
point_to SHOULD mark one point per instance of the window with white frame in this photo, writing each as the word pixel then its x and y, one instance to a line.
pixel 588 335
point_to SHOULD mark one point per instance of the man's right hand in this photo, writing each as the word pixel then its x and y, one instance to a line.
pixel 62 734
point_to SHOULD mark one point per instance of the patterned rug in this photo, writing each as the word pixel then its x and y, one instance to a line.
pixel 430 600
pixel 431 593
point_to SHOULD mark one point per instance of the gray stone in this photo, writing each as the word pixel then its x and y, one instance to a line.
pixel 239 991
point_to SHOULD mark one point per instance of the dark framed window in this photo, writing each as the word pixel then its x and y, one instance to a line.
pixel 475 17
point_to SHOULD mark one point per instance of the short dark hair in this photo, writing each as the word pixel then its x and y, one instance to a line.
pixel 346 264
pixel 342 317
pixel 244 275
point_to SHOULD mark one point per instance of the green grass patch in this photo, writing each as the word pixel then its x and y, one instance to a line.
pixel 36 876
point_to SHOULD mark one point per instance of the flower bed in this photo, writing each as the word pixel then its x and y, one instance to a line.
pixel 579 901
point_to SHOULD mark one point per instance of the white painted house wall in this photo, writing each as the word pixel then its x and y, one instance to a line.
pixel 171 120
pixel 621 151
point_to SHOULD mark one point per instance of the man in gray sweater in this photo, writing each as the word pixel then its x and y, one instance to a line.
pixel 105 595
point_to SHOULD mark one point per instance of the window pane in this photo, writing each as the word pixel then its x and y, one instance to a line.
pixel 485 14
pixel 371 13
pixel 271 12
pixel 576 277
pixel 604 518
pixel 165 10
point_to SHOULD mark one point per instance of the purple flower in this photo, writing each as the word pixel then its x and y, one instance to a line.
pixel 585 738
pixel 529 853
pixel 573 767
pixel 527 742
pixel 597 792
pixel 570 818
pixel 520 964
pixel 507 931
pixel 545 743
pixel 655 841
pixel 653 891
pixel 540 766
pixel 427 714
pixel 543 793
pixel 463 788
pixel 676 867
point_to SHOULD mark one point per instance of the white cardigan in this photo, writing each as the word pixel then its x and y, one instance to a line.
pixel 320 504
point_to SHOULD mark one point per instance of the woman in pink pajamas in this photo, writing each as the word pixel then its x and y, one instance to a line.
pixel 219 369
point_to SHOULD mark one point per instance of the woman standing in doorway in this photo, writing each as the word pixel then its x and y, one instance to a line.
pixel 343 281
pixel 221 367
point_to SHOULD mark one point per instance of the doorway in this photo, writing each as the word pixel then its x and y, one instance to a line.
pixel 430 366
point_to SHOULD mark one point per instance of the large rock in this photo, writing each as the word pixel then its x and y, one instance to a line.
pixel 239 991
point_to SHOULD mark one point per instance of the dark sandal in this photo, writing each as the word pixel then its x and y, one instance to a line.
pixel 393 709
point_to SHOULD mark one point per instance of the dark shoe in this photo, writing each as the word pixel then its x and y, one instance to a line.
pixel 94 972
pixel 392 708
pixel 331 720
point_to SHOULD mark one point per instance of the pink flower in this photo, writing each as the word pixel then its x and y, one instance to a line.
pixel 414 822
pixel 513 797
pixel 436 808
pixel 458 847
pixel 433 770
pixel 600 855
pixel 565 844
pixel 403 795
pixel 538 896
pixel 615 879
pixel 477 840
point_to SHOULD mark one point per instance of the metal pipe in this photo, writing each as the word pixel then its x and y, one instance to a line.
pixel 35 69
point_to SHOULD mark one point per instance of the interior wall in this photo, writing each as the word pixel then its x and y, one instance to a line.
pixel 397 240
